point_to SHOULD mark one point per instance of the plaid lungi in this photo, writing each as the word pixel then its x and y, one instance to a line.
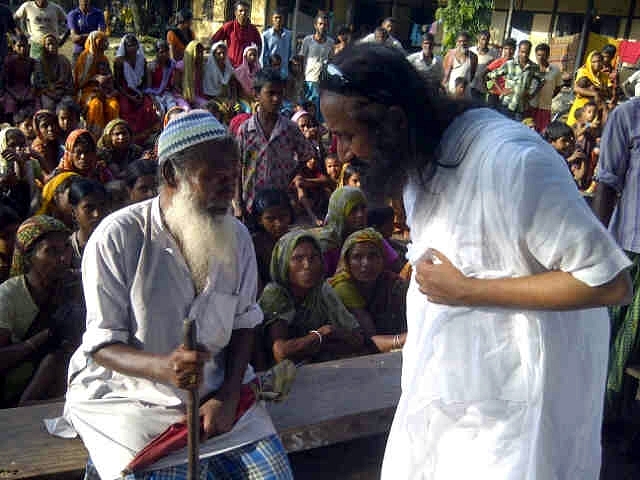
pixel 265 459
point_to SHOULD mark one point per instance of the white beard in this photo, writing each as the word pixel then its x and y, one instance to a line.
pixel 203 238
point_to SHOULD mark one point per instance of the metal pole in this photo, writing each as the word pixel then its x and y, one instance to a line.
pixel 294 27
pixel 627 28
pixel 584 36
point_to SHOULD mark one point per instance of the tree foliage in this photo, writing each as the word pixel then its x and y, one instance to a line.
pixel 471 16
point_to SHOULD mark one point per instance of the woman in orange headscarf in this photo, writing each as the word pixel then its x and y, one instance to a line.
pixel 80 157
pixel 89 73
pixel 590 84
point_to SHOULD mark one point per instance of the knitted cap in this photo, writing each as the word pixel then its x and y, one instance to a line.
pixel 186 130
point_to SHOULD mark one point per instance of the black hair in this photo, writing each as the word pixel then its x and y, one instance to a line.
pixel 484 33
pixel 463 33
pixel 320 15
pixel 82 187
pixel 240 3
pixel 382 31
pixel 525 42
pixel 184 15
pixel 139 168
pixel 556 130
pixel 279 11
pixel 544 48
pixel 343 30
pixel 8 216
pixel 265 76
pixel 377 217
pixel 590 103
pixel 428 37
pixel 609 49
pixel 354 168
pixel 23 115
pixel 69 106
pixel 389 19
pixel 461 81
pixel 427 110
pixel 161 45
pixel 578 113
pixel 268 198
pixel 88 139
pixel 510 42
pixel 275 56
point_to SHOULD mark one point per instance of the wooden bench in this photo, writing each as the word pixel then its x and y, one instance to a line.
pixel 329 403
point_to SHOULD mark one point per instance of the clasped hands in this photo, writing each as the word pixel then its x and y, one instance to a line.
pixel 185 370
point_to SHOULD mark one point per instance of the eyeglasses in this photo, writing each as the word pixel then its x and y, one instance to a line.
pixel 334 80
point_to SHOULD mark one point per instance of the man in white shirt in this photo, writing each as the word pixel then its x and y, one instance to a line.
pixel 40 18
pixel 540 104
pixel 389 24
pixel 426 62
pixel 315 49
pixel 147 268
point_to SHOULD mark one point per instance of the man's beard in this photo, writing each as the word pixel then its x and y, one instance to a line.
pixel 204 237
pixel 383 176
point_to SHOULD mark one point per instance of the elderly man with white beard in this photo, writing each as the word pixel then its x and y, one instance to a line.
pixel 147 268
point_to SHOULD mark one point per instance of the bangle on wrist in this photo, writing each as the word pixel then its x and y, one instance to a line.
pixel 316 332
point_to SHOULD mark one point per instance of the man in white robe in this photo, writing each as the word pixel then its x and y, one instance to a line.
pixel 505 360
pixel 146 269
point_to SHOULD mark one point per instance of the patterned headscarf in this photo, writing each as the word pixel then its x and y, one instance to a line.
pixel 66 164
pixel 189 89
pixel 32 230
pixel 105 139
pixel 38 117
pixel 49 191
pixel 341 203
pixel 321 305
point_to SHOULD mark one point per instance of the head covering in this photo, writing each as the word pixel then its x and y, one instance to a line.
pixel 214 79
pixel 189 89
pixel 88 60
pixel 341 203
pixel 133 75
pixel 298 115
pixel 186 130
pixel 32 230
pixel 38 117
pixel 321 306
pixel 246 72
pixel 105 139
pixel 3 136
pixel 66 164
pixel 49 190
pixel 585 70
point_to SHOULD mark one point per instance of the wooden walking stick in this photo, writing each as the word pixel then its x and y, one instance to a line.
pixel 193 407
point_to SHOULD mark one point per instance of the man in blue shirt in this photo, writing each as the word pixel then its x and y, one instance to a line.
pixel 81 22
pixel 277 39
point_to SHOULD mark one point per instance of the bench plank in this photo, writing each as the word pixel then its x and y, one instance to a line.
pixel 330 402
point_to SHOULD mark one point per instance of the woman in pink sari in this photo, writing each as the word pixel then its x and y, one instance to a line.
pixel 246 72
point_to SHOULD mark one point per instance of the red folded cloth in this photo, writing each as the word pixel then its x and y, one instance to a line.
pixel 175 437
pixel 629 51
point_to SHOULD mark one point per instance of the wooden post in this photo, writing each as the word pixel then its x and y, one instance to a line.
pixel 584 36
pixel 627 28
pixel 294 27
pixel 507 26
pixel 554 19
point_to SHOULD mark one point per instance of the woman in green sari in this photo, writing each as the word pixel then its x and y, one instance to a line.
pixel 303 317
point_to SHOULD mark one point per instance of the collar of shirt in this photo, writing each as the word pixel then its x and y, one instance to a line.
pixel 254 127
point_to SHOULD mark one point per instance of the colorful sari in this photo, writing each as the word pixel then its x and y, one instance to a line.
pixel 95 170
pixel 320 307
pixel 246 73
pixel 599 80
pixel 192 77
pixel 99 111
pixel 387 304
pixel 109 156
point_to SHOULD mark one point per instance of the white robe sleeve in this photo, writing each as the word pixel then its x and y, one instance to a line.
pixel 554 223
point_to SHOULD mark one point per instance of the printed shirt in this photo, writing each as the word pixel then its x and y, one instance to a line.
pixel 280 44
pixel 270 162
pixel 41 21
pixel 619 168
pixel 83 24
pixel 518 82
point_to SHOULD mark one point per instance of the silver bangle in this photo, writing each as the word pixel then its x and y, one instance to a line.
pixel 318 334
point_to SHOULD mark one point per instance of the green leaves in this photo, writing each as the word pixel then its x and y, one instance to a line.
pixel 463 15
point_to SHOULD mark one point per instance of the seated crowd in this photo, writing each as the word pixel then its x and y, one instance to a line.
pixel 330 285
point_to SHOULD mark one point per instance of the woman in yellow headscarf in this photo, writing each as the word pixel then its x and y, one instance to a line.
pixel 92 66
pixel 55 198
pixel 590 84
pixel 192 76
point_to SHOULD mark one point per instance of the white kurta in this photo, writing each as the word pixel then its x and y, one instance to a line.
pixel 494 393
pixel 138 290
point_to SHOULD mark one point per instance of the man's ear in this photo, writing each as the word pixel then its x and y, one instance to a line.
pixel 397 119
pixel 168 172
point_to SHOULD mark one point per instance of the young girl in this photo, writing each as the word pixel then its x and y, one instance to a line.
pixel 270 219
pixel 351 175
pixel 47 141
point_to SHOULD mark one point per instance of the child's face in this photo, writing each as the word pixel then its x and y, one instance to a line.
pixel 27 128
pixel 21 48
pixel 312 164
pixel 276 221
pixel 459 91
pixel 67 121
pixel 333 168
pixel 563 145
pixel 589 114
pixel 354 180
